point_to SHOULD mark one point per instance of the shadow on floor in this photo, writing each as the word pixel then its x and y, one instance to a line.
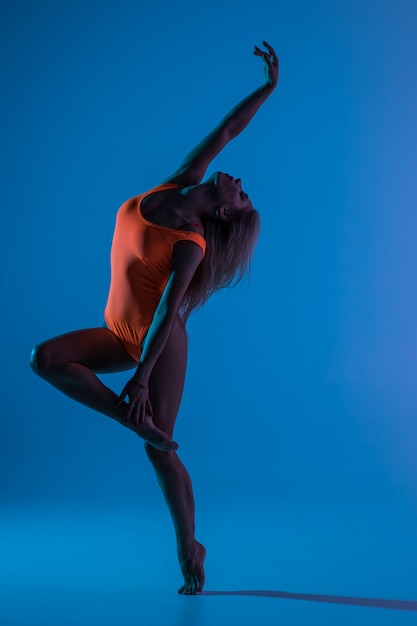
pixel 399 605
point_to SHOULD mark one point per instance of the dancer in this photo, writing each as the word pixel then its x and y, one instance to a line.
pixel 173 246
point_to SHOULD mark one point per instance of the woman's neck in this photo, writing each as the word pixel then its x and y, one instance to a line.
pixel 197 201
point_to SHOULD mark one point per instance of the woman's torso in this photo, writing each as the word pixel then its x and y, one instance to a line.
pixel 141 259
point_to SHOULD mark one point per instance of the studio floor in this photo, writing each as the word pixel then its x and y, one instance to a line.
pixel 66 565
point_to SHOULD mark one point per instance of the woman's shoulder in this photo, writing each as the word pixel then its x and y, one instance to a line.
pixel 164 185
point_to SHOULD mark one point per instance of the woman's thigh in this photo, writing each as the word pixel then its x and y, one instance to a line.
pixel 97 348
pixel 166 383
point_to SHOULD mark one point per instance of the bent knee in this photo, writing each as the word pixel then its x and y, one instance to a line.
pixel 42 358
pixel 160 459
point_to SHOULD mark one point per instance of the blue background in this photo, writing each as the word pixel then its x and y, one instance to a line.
pixel 301 388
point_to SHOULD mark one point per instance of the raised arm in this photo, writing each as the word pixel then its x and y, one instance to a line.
pixel 193 168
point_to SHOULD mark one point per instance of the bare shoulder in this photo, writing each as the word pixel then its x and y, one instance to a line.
pixel 185 176
pixel 186 257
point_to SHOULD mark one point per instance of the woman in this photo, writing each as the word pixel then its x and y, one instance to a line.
pixel 172 248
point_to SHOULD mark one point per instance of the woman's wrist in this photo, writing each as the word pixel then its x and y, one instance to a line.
pixel 140 377
pixel 139 383
pixel 270 85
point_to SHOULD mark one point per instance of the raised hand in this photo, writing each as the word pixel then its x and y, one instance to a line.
pixel 271 63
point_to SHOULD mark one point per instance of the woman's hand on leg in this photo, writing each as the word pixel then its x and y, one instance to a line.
pixel 139 403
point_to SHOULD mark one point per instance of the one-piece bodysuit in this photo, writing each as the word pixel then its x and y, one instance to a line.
pixel 141 263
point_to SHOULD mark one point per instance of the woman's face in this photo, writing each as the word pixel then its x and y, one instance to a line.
pixel 230 191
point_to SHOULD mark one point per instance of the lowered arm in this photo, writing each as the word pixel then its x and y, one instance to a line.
pixel 187 256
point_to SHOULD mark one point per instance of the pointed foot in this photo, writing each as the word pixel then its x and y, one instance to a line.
pixel 192 568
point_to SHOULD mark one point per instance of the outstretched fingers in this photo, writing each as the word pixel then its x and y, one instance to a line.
pixel 269 56
pixel 270 50
pixel 258 52
pixel 271 62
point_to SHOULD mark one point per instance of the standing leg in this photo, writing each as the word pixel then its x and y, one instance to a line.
pixel 166 385
pixel 69 361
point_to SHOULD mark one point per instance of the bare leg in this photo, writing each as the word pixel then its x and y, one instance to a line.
pixel 69 361
pixel 166 386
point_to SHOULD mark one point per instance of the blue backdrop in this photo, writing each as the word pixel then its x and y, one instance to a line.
pixel 301 386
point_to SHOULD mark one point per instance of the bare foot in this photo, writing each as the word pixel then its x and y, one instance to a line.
pixel 154 436
pixel 192 568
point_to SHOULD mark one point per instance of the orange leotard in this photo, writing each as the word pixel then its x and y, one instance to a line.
pixel 141 263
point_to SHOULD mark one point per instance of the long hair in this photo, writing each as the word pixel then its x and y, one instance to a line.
pixel 229 250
